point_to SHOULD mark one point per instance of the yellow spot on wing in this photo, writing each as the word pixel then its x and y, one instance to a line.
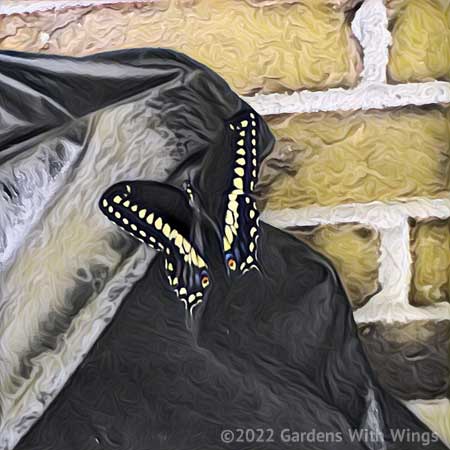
pixel 237 182
pixel 229 234
pixel 226 244
pixel 194 258
pixel 166 230
pixel 201 262
pixel 150 218
pixel 126 203
pixel 117 199
pixel 158 223
pixel 187 246
pixel 142 213
pixel 233 205
pixel 229 219
pixel 179 241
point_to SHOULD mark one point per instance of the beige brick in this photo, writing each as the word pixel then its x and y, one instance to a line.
pixel 420 40
pixel 354 250
pixel 410 359
pixel 335 158
pixel 431 256
pixel 265 47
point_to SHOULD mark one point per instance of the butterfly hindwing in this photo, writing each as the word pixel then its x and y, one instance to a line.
pixel 160 216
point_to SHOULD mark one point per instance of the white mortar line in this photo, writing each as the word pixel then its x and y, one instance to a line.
pixel 365 96
pixel 394 275
pixel 378 214
pixel 395 263
pixel 9 7
pixel 370 27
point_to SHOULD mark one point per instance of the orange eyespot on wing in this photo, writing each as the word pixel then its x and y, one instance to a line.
pixel 205 281
pixel 232 264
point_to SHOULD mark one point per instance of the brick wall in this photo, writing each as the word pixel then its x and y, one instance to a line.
pixel 356 94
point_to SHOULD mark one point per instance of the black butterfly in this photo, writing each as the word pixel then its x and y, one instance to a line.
pixel 241 216
pixel 164 217
pixel 160 216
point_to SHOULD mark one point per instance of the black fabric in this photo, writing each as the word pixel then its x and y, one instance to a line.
pixel 275 349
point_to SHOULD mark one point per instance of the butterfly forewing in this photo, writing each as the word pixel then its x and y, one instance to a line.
pixel 159 215
pixel 240 223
